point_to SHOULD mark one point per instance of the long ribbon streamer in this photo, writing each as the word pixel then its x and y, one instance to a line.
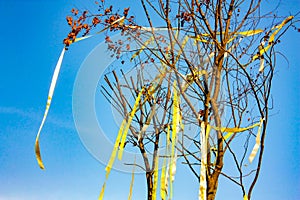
pixel 51 91
pixel 50 94
pixel 122 144
pixel 175 123
pixel 165 171
pixel 272 37
pixel 131 183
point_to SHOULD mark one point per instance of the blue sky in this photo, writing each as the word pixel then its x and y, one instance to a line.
pixel 31 41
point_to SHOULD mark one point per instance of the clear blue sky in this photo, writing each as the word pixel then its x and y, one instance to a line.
pixel 31 41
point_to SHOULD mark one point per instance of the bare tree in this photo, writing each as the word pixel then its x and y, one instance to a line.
pixel 201 87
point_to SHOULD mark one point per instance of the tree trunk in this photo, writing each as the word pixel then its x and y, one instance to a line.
pixel 149 177
pixel 212 186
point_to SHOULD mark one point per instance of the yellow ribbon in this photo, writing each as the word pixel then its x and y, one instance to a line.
pixel 119 143
pixel 151 39
pixel 102 191
pixel 115 149
pixel 163 188
pixel 230 131
pixel 175 123
pixel 164 172
pixel 242 33
pixel 137 101
pixel 272 37
pixel 155 176
pixel 50 94
pixel 257 144
pixel 131 183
